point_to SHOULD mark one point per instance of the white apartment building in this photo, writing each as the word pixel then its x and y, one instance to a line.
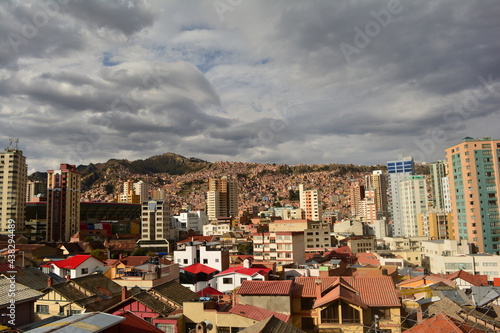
pixel 413 201
pixel 282 247
pixel 209 254
pixel 216 228
pixel 186 221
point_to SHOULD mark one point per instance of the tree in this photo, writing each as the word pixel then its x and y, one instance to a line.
pixel 139 252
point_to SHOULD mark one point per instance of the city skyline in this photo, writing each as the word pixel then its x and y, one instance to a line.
pixel 284 82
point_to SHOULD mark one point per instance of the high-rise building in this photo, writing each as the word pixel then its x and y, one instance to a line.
pixel 356 196
pixel 398 171
pixel 222 198
pixel 310 202
pixel 155 226
pixel 142 190
pixel 35 188
pixel 13 178
pixel 438 171
pixel 473 167
pixel 378 183
pixel 63 203
pixel 413 202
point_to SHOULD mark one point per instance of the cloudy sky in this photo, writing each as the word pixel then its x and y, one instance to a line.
pixel 278 81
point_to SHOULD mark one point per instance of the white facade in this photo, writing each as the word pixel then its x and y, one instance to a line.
pixel 190 221
pixel 142 189
pixel 446 194
pixel 398 171
pixel 197 252
pixel 87 267
pixel 482 264
pixel 216 229
pixel 413 201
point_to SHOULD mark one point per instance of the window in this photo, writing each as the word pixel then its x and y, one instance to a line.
pixel 85 271
pixel 383 313
pixel 42 308
pixel 227 281
pixel 216 259
pixel 185 261
pixel 74 312
pixel 306 303
pixel 242 279
pixel 205 261
pixel 167 328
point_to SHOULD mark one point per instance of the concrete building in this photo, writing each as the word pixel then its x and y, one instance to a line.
pixel 310 202
pixel 378 183
pixel 142 190
pixel 413 201
pixel 317 234
pixel 436 224
pixel 473 168
pixel 356 197
pixel 192 220
pixel 222 198
pixel 155 229
pixel 63 203
pixel 475 264
pixel 438 171
pixel 282 247
pixel 13 178
pixel 398 171
pixel 213 255
pixel 35 190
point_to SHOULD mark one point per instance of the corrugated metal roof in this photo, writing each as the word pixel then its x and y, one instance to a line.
pixel 281 287
pixel 23 293
pixel 256 313
pixel 272 325
pixel 82 323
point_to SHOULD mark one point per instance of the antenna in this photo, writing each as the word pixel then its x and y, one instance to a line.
pixel 17 142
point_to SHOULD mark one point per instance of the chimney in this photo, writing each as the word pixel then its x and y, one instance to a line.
pixel 124 293
pixel 420 316
pixel 49 282
pixel 120 256
pixel 67 277
pixel 318 284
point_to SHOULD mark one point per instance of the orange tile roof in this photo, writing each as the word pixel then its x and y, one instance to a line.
pixel 442 323
pixel 256 313
pixel 372 291
pixel 476 280
pixel 280 287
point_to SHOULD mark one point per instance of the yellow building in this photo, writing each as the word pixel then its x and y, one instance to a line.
pixel 346 303
pixel 436 225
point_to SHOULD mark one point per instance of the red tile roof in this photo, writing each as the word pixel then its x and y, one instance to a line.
pixel 256 313
pixel 209 291
pixel 199 268
pixel 475 280
pixel 373 291
pixel 246 271
pixel 442 323
pixel 280 287
pixel 72 262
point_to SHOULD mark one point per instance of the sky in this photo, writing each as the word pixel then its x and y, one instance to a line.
pixel 282 81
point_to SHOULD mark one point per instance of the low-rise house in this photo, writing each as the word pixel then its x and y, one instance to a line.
pixel 272 325
pixel 160 305
pixel 198 276
pixel 89 293
pixel 233 277
pixel 37 279
pixel 23 299
pixel 346 303
pixel 74 267
pixel 443 323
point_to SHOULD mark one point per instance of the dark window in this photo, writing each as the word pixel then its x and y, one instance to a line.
pixel 306 303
